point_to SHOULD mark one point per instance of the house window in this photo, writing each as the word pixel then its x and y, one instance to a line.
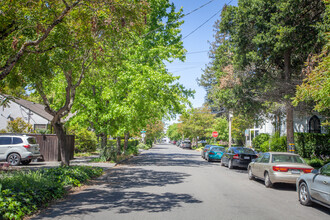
pixel 314 125
pixel 40 127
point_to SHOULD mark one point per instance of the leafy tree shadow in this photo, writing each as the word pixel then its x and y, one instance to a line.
pixel 118 194
pixel 118 202
pixel 159 159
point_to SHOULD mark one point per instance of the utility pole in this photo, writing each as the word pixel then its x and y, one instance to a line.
pixel 230 117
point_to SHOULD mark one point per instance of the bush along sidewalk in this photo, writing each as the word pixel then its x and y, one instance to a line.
pixel 23 193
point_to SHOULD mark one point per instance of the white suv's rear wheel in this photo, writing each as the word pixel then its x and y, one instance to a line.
pixel 14 159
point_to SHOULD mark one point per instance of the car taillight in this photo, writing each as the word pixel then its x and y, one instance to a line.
pixel 286 169
pixel 27 146
pixel 280 169
pixel 307 170
pixel 211 153
pixel 236 156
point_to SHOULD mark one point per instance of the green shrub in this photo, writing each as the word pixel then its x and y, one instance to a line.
pixel 85 140
pixel 22 193
pixel 143 146
pixel 316 162
pixel 259 140
pixel 310 145
pixel 275 143
pixel 264 147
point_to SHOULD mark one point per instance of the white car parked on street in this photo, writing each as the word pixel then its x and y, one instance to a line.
pixel 16 149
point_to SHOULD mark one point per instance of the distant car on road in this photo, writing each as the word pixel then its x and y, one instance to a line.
pixel 238 157
pixel 214 153
pixel 315 187
pixel 16 149
pixel 186 144
pixel 278 167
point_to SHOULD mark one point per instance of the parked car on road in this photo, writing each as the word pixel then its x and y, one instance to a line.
pixel 204 150
pixel 214 153
pixel 238 157
pixel 16 149
pixel 278 167
pixel 315 187
pixel 186 144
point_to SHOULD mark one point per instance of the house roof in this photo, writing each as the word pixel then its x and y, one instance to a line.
pixel 39 109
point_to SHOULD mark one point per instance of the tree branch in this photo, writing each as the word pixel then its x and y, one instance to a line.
pixel 12 61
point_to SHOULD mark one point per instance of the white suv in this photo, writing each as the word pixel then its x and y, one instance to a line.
pixel 16 149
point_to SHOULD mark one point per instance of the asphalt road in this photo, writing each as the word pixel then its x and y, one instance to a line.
pixel 170 183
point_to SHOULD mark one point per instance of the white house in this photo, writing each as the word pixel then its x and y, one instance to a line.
pixel 30 112
pixel 302 122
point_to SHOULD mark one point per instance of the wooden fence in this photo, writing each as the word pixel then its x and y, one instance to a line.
pixel 48 144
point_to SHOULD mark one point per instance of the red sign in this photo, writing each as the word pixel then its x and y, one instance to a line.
pixel 214 134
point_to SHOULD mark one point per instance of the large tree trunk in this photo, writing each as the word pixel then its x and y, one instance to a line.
pixel 60 133
pixel 126 141
pixel 104 140
pixel 118 145
pixel 289 107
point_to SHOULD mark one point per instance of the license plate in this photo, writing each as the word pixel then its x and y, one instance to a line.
pixel 295 171
pixel 247 158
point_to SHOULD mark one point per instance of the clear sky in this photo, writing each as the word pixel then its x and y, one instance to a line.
pixel 197 44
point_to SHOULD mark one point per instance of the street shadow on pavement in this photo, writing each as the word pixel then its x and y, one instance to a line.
pixel 125 178
pixel 279 186
pixel 117 202
pixel 164 160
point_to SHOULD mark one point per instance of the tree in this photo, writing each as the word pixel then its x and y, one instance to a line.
pixel 134 88
pixel 18 125
pixel 197 123
pixel 155 131
pixel 173 132
pixel 79 41
pixel 30 27
pixel 221 126
pixel 271 41
pixel 316 85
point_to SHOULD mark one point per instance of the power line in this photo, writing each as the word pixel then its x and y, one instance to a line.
pixel 203 51
pixel 179 18
pixel 198 8
pixel 203 23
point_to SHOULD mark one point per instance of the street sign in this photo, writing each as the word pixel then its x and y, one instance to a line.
pixel 214 134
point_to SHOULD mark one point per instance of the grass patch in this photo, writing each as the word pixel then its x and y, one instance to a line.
pixel 24 192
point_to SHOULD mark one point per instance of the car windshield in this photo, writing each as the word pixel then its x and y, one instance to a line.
pixel 31 141
pixel 283 158
pixel 243 150
pixel 218 149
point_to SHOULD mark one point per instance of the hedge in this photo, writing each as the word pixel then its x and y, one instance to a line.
pixel 311 145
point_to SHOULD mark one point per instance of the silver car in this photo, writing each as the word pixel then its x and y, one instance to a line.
pixel 16 149
pixel 278 167
pixel 315 187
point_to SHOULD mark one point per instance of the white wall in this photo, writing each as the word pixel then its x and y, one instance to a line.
pixel 301 123
pixel 16 111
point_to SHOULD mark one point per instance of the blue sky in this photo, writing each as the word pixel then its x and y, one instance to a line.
pixel 198 41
